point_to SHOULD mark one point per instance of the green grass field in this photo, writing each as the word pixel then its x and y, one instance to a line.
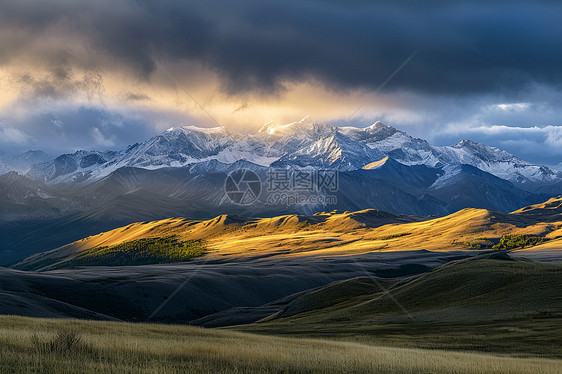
pixel 31 346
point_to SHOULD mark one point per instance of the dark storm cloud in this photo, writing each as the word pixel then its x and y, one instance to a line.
pixel 464 47
pixel 59 82
pixel 474 59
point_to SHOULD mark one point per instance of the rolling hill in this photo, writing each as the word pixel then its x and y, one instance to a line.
pixel 366 276
pixel 490 302
pixel 329 233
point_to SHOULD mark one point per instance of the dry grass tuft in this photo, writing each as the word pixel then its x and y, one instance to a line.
pixel 65 342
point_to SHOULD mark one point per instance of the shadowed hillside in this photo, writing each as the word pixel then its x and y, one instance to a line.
pixel 494 303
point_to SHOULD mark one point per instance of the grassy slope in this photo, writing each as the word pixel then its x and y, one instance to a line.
pixel 145 251
pixel 121 347
pixel 328 234
pixel 513 307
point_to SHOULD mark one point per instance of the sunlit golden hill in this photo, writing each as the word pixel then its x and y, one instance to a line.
pixel 329 233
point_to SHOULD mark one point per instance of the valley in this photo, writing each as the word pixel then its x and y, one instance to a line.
pixel 256 269
pixel 277 187
pixel 453 251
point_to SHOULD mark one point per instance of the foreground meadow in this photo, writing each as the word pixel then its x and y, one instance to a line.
pixel 30 345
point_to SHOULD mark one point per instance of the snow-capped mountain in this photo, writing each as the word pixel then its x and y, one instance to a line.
pixel 413 151
pixel 75 167
pixel 497 162
pixel 335 151
pixel 394 143
pixel 305 143
pixel 178 146
pixel 175 147
pixel 280 140
pixel 182 172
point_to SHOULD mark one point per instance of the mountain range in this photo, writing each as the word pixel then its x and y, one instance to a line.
pixel 300 144
pixel 182 172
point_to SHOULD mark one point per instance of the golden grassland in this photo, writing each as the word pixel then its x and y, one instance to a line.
pixel 143 251
pixel 113 347
pixel 334 234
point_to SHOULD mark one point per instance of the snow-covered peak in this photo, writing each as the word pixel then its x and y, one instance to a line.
pixel 190 130
pixel 482 149
pixel 374 133
pixel 279 140
pixel 378 125
pixel 394 143
pixel 467 143
pixel 271 128
pixel 305 125
pixel 335 151
pixel 470 152
pixel 219 130
pixel 178 146
pixel 495 161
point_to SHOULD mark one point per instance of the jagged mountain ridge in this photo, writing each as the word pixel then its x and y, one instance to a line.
pixel 304 143
pixel 496 161
pixel 395 144
pixel 336 151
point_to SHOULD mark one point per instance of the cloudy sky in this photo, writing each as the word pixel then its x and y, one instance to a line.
pixel 105 74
